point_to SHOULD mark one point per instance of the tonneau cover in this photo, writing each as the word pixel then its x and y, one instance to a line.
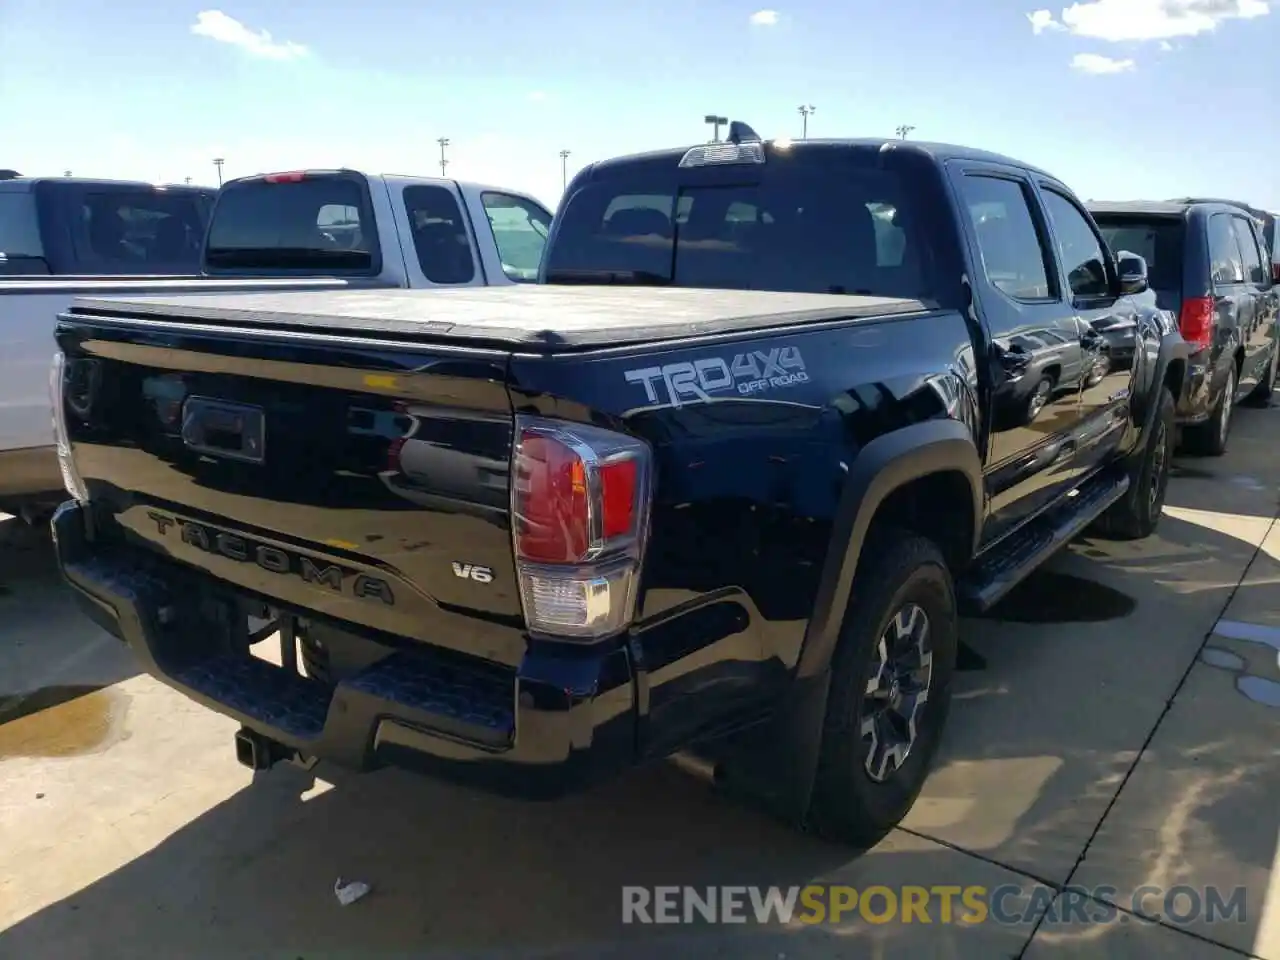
pixel 534 317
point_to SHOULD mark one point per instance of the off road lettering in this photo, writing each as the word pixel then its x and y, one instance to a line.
pixel 675 384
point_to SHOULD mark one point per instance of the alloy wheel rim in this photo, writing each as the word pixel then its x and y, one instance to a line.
pixel 1040 397
pixel 897 690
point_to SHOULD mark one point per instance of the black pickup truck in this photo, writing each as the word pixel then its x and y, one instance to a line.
pixel 716 489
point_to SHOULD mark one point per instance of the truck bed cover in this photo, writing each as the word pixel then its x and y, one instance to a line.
pixel 530 317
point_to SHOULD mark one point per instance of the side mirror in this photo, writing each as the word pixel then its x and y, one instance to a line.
pixel 1132 270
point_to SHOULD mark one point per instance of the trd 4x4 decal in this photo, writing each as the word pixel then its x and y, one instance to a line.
pixel 675 384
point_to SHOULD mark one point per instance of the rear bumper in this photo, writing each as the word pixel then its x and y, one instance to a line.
pixel 560 721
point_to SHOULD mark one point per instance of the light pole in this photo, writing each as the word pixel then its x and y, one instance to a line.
pixel 218 162
pixel 444 142
pixel 715 122
pixel 187 181
pixel 804 111
pixel 903 130
pixel 564 169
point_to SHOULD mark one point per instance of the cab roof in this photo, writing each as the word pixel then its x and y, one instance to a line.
pixel 939 152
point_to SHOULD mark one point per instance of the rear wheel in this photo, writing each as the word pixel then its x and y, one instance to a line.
pixel 1209 439
pixel 890 692
pixel 1137 514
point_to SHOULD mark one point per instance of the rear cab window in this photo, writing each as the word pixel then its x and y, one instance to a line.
pixel 1159 240
pixel 295 223
pixel 812 222
pixel 122 229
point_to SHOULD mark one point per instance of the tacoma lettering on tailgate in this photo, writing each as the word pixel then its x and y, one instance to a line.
pixel 274 559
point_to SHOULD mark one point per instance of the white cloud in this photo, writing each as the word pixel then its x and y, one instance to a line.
pixel 1096 63
pixel 1165 46
pixel 764 18
pixel 1042 20
pixel 537 96
pixel 216 25
pixel 1120 21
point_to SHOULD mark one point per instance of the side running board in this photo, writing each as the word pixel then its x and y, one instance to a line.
pixel 1009 562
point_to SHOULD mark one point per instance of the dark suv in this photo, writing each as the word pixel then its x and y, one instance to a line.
pixel 1210 265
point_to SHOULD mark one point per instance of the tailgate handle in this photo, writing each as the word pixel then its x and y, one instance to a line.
pixel 232 430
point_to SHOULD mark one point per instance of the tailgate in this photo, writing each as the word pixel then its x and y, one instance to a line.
pixel 366 483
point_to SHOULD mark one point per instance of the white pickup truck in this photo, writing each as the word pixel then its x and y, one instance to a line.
pixel 60 239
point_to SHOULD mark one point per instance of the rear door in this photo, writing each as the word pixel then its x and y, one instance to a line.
pixel 1036 347
pixel 1233 300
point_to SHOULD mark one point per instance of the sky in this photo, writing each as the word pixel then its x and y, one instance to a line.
pixel 1118 98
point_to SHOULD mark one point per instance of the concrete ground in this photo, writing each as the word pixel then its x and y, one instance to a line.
pixel 1119 743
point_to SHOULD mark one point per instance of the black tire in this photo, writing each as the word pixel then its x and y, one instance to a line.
pixel 1209 439
pixel 1137 514
pixel 849 805
pixel 1261 395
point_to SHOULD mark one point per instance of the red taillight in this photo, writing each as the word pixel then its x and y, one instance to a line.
pixel 1196 321
pixel 294 177
pixel 553 516
pixel 617 498
pixel 580 500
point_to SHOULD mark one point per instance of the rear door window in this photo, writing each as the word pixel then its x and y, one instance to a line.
pixel 1158 240
pixel 1012 253
pixel 440 237
pixel 520 230
pixel 1251 256
pixel 1225 261
pixel 812 231
pixel 286 223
